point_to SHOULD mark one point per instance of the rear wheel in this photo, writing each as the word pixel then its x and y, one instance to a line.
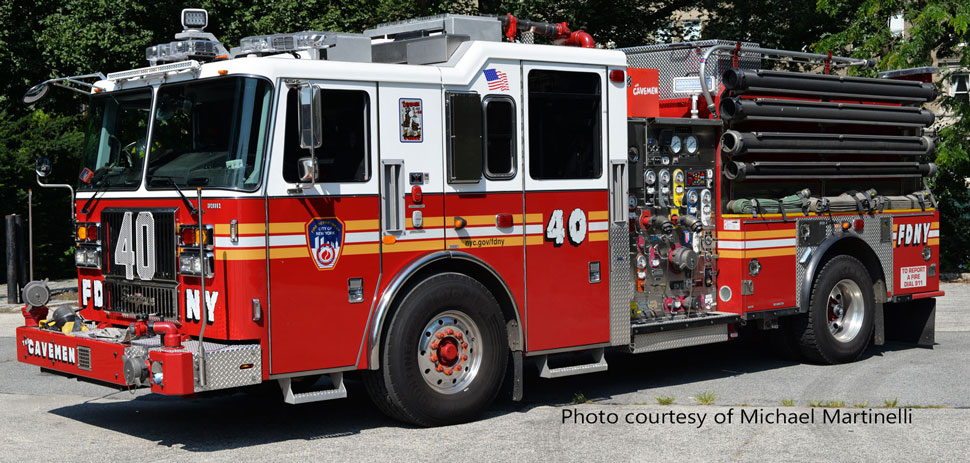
pixel 444 355
pixel 839 323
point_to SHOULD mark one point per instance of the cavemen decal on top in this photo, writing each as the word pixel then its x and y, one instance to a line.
pixel 324 238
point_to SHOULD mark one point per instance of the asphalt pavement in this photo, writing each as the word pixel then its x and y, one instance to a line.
pixel 45 417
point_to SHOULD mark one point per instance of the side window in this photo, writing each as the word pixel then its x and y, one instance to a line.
pixel 345 154
pixel 499 137
pixel 564 125
pixel 464 112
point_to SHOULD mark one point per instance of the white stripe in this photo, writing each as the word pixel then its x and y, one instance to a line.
pixel 244 242
pixel 599 226
pixel 934 233
pixel 894 236
pixel 428 234
pixel 723 244
pixel 287 240
pixel 534 229
pixel 362 237
pixel 755 244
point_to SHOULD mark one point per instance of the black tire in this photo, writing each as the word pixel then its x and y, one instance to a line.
pixel 818 339
pixel 406 388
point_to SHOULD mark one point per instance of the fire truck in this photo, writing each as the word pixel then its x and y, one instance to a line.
pixel 436 202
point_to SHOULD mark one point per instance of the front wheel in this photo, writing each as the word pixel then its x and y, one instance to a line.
pixel 444 356
pixel 839 323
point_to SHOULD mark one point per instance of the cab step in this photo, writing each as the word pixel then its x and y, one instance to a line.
pixel 598 364
pixel 338 391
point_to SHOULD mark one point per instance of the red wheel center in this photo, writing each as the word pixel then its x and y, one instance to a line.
pixel 448 352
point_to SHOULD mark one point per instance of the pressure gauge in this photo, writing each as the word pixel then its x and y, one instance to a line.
pixel 675 144
pixel 665 177
pixel 706 197
pixel 679 176
pixel 692 197
pixel 632 200
pixel 691 144
pixel 650 177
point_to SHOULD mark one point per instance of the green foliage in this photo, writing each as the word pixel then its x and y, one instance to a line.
pixel 770 22
pixel 22 140
pixel 937 30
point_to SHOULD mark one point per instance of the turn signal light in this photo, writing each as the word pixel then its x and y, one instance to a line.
pixel 617 75
pixel 82 233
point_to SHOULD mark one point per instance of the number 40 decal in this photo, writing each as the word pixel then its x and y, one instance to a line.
pixel 556 232
pixel 138 254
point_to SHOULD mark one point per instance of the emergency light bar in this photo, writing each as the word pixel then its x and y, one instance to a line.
pixel 282 43
pixel 182 50
pixel 155 70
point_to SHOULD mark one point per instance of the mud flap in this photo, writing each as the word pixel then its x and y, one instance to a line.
pixel 879 326
pixel 516 376
pixel 913 322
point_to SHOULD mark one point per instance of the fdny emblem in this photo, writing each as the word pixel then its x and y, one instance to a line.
pixel 325 238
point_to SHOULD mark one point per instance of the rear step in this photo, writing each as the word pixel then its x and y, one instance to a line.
pixel 337 392
pixel 599 364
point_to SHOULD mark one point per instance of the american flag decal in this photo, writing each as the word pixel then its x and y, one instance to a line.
pixel 497 80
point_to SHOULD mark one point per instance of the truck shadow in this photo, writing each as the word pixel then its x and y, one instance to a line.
pixel 258 416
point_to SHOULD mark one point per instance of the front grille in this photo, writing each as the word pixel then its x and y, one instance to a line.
pixel 142 299
pixel 162 248
pixel 84 358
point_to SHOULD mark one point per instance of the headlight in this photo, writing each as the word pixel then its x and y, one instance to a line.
pixel 190 263
pixel 87 256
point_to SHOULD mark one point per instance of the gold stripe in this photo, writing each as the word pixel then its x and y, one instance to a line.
pixel 599 236
pixel 359 225
pixel 599 215
pixel 287 227
pixel 478 219
pixel 285 253
pixel 406 246
pixel 355 249
pixel 241 254
pixel 730 235
pixel 933 242
pixel 753 235
pixel 934 225
pixel 243 229
pixel 533 218
pixel 895 227
pixel 750 254
pixel 533 240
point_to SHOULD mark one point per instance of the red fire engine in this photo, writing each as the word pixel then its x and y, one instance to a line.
pixel 431 205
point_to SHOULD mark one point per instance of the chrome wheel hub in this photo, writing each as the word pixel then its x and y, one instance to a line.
pixel 449 353
pixel 846 310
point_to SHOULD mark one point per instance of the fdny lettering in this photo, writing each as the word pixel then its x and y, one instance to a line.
pixel 912 234
pixel 92 290
pixel 51 351
pixel 192 304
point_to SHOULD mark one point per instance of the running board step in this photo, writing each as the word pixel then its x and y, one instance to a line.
pixel 598 364
pixel 337 392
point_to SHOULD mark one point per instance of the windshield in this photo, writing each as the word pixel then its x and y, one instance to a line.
pixel 210 134
pixel 114 147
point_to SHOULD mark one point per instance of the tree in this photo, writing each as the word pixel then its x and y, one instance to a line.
pixel 780 24
pixel 937 29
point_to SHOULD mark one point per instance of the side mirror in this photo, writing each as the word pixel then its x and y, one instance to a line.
pixel 43 167
pixel 309 170
pixel 310 117
pixel 36 93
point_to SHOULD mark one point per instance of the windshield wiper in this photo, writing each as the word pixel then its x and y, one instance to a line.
pixel 100 183
pixel 170 181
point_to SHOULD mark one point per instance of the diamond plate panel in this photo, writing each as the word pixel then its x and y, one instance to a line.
pixel 871 234
pixel 621 284
pixel 683 59
pixel 223 362
pixel 664 340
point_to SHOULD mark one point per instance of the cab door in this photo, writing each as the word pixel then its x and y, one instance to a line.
pixel 323 241
pixel 483 188
pixel 566 184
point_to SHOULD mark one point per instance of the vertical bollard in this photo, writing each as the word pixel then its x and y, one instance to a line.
pixel 21 256
pixel 13 293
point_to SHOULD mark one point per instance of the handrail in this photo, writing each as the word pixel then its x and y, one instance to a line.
pixel 769 51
